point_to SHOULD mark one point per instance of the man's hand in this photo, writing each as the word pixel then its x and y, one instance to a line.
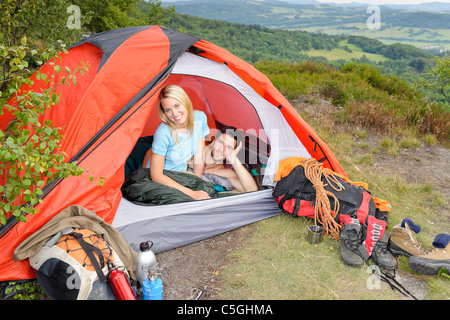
pixel 232 158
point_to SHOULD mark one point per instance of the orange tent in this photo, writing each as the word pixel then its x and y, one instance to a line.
pixel 113 105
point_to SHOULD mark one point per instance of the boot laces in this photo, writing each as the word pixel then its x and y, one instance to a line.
pixel 435 250
pixel 413 239
pixel 352 240
pixel 382 246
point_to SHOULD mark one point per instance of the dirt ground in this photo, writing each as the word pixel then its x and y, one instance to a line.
pixel 193 271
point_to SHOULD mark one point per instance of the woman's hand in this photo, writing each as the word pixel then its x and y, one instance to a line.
pixel 198 195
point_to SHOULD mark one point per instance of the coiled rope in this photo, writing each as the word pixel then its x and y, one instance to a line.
pixel 323 214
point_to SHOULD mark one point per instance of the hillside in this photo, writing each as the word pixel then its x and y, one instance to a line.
pixel 398 24
pixel 255 43
pixel 286 45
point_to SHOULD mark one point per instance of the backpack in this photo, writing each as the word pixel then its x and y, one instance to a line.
pixel 297 195
pixel 74 264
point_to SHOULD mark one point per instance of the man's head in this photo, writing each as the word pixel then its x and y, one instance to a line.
pixel 225 142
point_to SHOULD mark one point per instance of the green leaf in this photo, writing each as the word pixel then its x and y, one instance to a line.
pixel 443 273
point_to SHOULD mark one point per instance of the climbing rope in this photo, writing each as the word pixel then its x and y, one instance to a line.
pixel 323 214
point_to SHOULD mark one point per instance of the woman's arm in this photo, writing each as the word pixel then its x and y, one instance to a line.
pixel 157 175
pixel 199 162
pixel 147 157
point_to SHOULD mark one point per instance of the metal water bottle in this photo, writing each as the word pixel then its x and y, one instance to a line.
pixel 145 261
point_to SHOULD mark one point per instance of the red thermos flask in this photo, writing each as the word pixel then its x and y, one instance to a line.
pixel 120 285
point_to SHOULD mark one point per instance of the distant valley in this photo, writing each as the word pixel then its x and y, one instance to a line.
pixel 397 23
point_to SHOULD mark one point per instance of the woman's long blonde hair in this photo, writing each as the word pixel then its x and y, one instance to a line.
pixel 176 92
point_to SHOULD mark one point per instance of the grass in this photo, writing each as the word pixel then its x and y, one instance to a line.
pixel 278 262
pixel 409 142
pixel 340 54
pixel 390 146
pixel 415 36
pixel 429 138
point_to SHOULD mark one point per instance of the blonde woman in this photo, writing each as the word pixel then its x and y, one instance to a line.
pixel 178 138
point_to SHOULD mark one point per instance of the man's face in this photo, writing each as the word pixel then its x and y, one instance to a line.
pixel 222 147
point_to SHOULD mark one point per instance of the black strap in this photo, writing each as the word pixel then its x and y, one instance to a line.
pixel 383 275
pixel 296 207
pixel 394 284
pixel 90 249
pixel 387 278
pixel 315 150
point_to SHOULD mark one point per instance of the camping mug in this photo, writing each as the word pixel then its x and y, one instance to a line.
pixel 315 234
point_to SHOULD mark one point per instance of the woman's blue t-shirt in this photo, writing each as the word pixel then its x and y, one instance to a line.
pixel 177 155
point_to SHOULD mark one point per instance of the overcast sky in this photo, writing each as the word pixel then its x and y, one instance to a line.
pixel 380 2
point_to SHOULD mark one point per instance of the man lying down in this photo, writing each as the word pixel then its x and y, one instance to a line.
pixel 222 154
pixel 223 171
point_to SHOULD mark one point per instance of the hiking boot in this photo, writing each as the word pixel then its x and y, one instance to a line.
pixel 432 261
pixel 403 242
pixel 350 241
pixel 381 255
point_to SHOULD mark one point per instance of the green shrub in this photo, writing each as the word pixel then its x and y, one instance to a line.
pixel 366 97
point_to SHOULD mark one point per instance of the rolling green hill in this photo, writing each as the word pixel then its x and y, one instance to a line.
pixel 407 26
pixel 255 43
